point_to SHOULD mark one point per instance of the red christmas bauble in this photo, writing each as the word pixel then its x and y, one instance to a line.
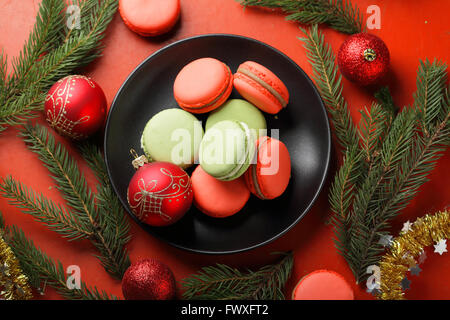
pixel 148 279
pixel 75 106
pixel 363 58
pixel 160 193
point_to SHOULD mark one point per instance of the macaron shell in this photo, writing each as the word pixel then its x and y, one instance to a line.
pixel 270 176
pixel 257 94
pixel 150 17
pixel 239 110
pixel 323 285
pixel 218 198
pixel 216 156
pixel 268 77
pixel 203 85
pixel 158 140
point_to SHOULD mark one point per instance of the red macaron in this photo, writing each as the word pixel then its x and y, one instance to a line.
pixel 322 285
pixel 150 17
pixel 217 198
pixel 269 177
pixel 261 87
pixel 203 85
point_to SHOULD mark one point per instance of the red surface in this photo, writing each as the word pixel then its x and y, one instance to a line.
pixel 412 30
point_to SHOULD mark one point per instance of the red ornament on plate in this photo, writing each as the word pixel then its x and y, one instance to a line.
pixel 75 106
pixel 148 279
pixel 363 58
pixel 160 193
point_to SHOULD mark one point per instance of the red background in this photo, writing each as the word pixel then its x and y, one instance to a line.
pixel 412 30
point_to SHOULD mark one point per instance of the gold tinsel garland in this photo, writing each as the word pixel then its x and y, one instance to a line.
pixel 406 248
pixel 13 283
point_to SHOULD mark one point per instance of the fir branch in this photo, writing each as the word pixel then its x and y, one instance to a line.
pixel 373 125
pixel 384 98
pixel 397 153
pixel 45 36
pixel 431 81
pixel 329 83
pixel 341 197
pixel 337 14
pixel 106 220
pixel 115 220
pixel 41 269
pixel 3 77
pixel 222 282
pixel 77 50
pixel 55 217
pixel 23 107
pixel 94 158
pixel 409 154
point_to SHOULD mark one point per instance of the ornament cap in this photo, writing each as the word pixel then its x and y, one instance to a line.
pixel 370 55
pixel 138 161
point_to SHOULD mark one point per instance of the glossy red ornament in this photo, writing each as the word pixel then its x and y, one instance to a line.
pixel 363 58
pixel 75 106
pixel 160 193
pixel 148 279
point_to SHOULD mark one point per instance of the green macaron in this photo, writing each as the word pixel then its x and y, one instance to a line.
pixel 227 150
pixel 240 110
pixel 173 135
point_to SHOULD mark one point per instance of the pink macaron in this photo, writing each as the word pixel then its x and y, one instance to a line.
pixel 261 87
pixel 203 85
pixel 217 198
pixel 269 177
pixel 323 285
pixel 150 17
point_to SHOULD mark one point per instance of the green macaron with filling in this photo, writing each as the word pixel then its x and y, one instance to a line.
pixel 173 135
pixel 227 150
pixel 240 110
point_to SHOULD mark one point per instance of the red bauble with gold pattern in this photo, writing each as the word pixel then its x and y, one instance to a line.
pixel 148 279
pixel 363 58
pixel 75 106
pixel 160 193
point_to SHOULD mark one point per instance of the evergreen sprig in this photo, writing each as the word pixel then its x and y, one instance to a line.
pixel 222 282
pixel 386 160
pixel 329 83
pixel 52 52
pixel 44 271
pixel 98 217
pixel 337 14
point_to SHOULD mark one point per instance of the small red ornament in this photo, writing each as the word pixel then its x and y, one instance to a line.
pixel 148 279
pixel 75 106
pixel 160 193
pixel 363 58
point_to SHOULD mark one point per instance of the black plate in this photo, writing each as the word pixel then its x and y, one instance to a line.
pixel 303 125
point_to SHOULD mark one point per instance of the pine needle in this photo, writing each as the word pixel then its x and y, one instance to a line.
pixel 337 14
pixel 222 282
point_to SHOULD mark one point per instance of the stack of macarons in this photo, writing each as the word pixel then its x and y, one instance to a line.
pixel 235 155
